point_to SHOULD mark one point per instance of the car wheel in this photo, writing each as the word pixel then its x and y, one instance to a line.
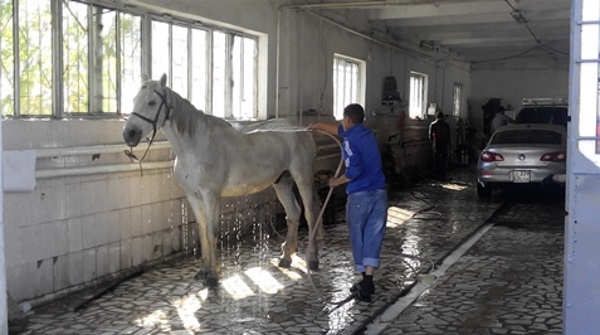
pixel 483 192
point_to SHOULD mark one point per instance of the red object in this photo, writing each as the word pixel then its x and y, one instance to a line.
pixel 488 156
pixel 558 156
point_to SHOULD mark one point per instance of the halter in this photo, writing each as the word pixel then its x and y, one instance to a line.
pixel 154 123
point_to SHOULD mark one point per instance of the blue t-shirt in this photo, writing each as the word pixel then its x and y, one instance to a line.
pixel 362 159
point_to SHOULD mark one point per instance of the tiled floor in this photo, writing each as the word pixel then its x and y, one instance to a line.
pixel 256 297
pixel 510 282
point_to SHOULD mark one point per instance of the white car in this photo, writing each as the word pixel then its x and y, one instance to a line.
pixel 521 153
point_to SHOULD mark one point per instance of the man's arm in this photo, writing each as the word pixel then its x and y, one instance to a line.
pixel 331 128
pixel 334 182
pixel 431 131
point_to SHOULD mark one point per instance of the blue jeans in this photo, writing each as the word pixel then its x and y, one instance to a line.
pixel 366 214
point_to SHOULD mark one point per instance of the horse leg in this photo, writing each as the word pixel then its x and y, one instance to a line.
pixel 205 210
pixel 285 194
pixel 311 208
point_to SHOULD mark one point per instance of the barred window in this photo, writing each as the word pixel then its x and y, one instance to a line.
pixel 418 94
pixel 457 97
pixel 35 69
pixel 89 61
pixel 348 83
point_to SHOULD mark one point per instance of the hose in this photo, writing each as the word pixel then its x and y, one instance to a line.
pixel 421 214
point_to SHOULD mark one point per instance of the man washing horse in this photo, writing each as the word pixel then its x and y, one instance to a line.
pixel 366 206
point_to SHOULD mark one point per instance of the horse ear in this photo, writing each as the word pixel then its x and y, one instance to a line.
pixel 163 80
pixel 145 77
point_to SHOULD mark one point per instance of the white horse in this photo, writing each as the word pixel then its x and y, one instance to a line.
pixel 214 159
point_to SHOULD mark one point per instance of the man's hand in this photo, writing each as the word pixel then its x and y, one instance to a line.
pixel 331 128
pixel 334 182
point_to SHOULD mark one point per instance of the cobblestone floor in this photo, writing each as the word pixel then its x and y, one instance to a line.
pixel 509 282
pixel 256 297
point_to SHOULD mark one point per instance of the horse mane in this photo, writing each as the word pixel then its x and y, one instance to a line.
pixel 186 118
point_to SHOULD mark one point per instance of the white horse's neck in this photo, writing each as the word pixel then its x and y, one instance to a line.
pixel 189 130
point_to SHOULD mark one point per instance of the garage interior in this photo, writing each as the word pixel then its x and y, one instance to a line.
pixel 78 215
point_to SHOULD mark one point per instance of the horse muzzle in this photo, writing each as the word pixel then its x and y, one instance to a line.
pixel 132 136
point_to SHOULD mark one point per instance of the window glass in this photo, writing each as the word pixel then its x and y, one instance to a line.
pixel 105 70
pixel 161 43
pixel 418 88
pixel 457 100
pixel 131 59
pixel 75 55
pixel 199 73
pixel 529 136
pixel 7 75
pixel 346 83
pixel 100 62
pixel 243 77
pixel 179 80
pixel 219 73
pixel 249 62
pixel 35 42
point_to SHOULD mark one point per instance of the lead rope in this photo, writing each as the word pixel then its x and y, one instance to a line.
pixel 129 153
pixel 133 158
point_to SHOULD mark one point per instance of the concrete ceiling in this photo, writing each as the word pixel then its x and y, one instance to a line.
pixel 482 32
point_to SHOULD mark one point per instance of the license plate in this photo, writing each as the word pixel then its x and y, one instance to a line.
pixel 520 176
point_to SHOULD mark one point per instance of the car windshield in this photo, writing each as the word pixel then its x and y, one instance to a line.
pixel 527 136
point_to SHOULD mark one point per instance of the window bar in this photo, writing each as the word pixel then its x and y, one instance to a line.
pixel 146 52
pixel 242 78
pixel 118 36
pixel 170 45
pixel 255 111
pixel 98 56
pixel 209 72
pixel 190 64
pixel 228 76
pixel 17 61
pixel 91 84
pixel 57 60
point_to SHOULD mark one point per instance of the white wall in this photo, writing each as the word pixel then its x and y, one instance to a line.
pixel 74 230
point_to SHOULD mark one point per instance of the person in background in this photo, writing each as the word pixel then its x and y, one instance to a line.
pixel 439 134
pixel 499 120
pixel 367 204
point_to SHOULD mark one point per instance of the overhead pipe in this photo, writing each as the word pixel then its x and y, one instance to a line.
pixel 362 4
pixel 308 9
pixel 409 52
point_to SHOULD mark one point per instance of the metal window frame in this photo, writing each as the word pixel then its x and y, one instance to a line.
pixel 422 79
pixel 16 60
pixel 357 83
pixel 457 111
pixel 580 298
pixel 146 18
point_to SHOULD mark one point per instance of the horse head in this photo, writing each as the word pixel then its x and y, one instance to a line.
pixel 150 111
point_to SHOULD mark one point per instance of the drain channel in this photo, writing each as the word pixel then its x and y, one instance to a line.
pixel 425 281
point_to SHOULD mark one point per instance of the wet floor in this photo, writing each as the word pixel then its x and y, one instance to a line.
pixel 509 282
pixel 257 297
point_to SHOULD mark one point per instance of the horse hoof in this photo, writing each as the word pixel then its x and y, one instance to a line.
pixel 313 265
pixel 285 263
pixel 211 281
pixel 201 275
pixel 207 277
